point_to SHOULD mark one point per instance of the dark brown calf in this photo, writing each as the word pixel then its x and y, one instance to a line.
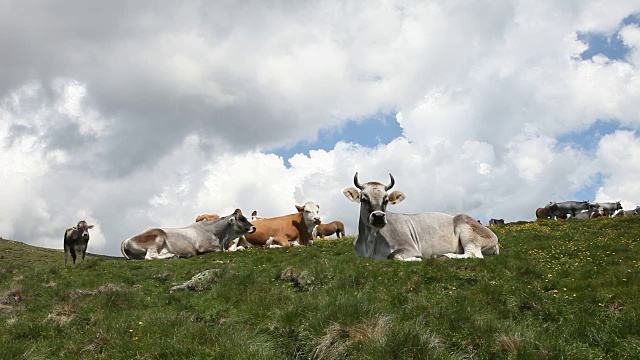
pixel 76 239
pixel 543 213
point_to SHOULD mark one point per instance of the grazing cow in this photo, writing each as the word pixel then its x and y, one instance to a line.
pixel 572 208
pixel 496 222
pixel 76 239
pixel 196 239
pixel 543 213
pixel 334 227
pixel 294 229
pixel 611 207
pixel 619 213
pixel 207 217
pixel 412 237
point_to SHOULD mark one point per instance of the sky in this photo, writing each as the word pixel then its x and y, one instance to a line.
pixel 133 115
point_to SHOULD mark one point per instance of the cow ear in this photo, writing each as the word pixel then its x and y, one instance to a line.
pixel 90 227
pixel 352 194
pixel 396 197
pixel 300 208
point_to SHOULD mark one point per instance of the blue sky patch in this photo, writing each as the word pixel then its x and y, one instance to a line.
pixel 379 129
pixel 609 45
pixel 589 138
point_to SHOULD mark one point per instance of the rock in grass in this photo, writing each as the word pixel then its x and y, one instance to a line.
pixel 199 282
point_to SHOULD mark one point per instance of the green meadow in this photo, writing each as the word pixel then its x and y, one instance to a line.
pixel 558 290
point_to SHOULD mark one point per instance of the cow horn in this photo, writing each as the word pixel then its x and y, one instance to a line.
pixel 356 182
pixel 393 182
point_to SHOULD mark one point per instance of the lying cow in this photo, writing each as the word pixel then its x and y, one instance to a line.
pixel 196 239
pixel 611 207
pixel 334 227
pixel 496 222
pixel 587 214
pixel 294 229
pixel 75 240
pixel 207 217
pixel 412 237
pixel 633 212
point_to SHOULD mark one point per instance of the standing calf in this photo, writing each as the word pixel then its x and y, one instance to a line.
pixel 76 239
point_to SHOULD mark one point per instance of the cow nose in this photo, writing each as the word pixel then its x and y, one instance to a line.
pixel 378 218
pixel 316 220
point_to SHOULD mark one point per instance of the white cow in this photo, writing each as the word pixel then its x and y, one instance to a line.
pixel 196 239
pixel 387 235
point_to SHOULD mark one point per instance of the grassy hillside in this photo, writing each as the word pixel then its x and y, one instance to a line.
pixel 558 290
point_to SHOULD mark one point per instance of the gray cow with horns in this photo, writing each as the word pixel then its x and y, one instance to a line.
pixel 412 237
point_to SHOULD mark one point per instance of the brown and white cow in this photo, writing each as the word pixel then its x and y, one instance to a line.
pixel 207 217
pixel 196 239
pixel 288 230
pixel 412 237
pixel 75 240
pixel 334 227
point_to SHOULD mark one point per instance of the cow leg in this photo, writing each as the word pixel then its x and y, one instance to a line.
pixel 72 250
pixel 473 237
pixel 233 246
pixel 469 252
pixel 278 242
pixel 152 253
pixel 66 253
pixel 404 255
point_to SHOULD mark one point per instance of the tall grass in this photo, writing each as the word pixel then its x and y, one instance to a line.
pixel 558 290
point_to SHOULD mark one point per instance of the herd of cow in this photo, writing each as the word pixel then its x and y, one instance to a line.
pixel 583 210
pixel 381 234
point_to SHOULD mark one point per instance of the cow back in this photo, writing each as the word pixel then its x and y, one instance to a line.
pixel 429 234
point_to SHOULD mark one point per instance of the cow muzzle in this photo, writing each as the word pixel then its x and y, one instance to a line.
pixel 378 219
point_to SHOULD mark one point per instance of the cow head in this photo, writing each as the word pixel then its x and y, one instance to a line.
pixel 83 229
pixel 240 223
pixel 310 215
pixel 373 199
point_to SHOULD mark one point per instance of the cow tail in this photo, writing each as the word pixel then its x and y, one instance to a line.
pixel 123 250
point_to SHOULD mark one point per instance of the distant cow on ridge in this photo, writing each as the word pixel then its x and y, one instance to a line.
pixel 496 222
pixel 543 213
pixel 207 217
pixel 76 239
pixel 334 227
